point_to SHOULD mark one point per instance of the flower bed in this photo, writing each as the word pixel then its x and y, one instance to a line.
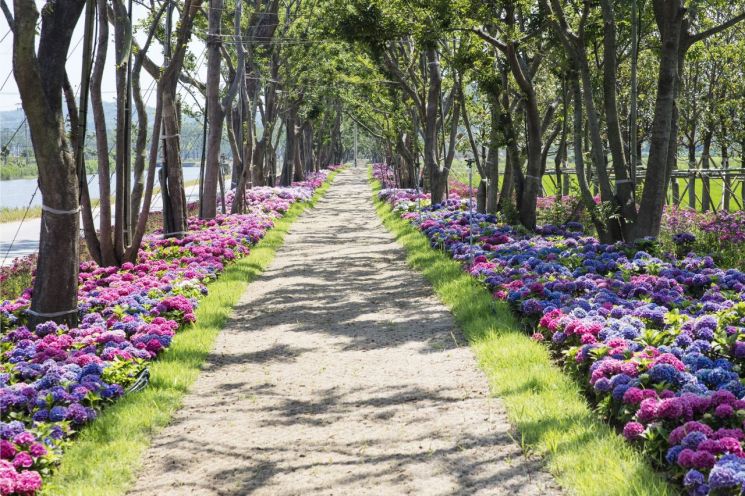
pixel 722 233
pixel 54 380
pixel 658 341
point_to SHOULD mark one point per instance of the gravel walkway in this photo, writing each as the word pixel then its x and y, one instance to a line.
pixel 340 373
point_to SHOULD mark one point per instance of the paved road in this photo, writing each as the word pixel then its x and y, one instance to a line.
pixel 26 234
pixel 340 373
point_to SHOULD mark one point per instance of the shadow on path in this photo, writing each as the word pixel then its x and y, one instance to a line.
pixel 340 373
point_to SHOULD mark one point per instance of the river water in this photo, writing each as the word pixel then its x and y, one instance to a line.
pixel 17 193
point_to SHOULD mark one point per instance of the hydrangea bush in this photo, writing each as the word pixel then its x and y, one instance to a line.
pixel 658 340
pixel 720 233
pixel 54 380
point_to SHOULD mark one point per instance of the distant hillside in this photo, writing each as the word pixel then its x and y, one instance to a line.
pixel 191 134
pixel 11 119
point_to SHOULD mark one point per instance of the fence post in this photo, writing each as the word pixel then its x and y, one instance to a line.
pixel 727 185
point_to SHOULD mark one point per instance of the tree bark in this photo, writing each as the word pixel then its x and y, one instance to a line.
pixel 122 44
pixel 706 203
pixel 579 162
pixel 624 197
pixel 289 158
pixel 108 256
pixel 215 111
pixel 174 213
pixel 437 176
pixel 669 15
pixel 140 155
pixel 529 195
pixel 40 78
pixel 726 191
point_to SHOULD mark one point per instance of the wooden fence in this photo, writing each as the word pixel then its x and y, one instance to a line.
pixel 723 189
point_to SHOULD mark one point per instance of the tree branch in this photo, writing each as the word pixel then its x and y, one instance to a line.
pixel 154 70
pixel 8 15
pixel 363 126
pixel 467 124
pixel 548 116
pixel 490 39
pixel 391 65
pixel 240 63
pixel 691 39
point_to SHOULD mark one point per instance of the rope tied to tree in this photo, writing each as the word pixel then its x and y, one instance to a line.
pixel 50 315
pixel 56 211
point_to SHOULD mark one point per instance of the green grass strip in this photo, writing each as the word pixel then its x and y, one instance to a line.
pixel 552 417
pixel 105 458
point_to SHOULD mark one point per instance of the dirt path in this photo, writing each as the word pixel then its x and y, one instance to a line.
pixel 340 374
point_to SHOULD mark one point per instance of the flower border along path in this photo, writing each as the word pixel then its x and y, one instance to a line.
pixel 546 406
pixel 102 458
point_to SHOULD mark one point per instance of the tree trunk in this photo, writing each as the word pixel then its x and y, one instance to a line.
pixel 529 195
pixel 138 181
pixel 437 178
pixel 297 162
pixel 669 20
pixel 579 162
pixel 561 150
pixel 108 256
pixel 624 196
pixel 308 161
pixel 706 203
pixel 512 164
pixel 258 160
pixel 40 78
pixel 289 158
pixel 492 159
pixel 174 200
pixel 726 191
pixel 122 44
pixel 215 113
pixel 174 212
pixel 481 197
pixel 232 118
pixel 247 156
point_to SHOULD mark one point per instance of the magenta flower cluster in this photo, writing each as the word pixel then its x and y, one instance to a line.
pixel 724 227
pixel 19 265
pixel 658 341
pixel 54 380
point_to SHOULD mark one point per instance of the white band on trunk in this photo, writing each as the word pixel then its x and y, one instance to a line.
pixel 50 315
pixel 59 212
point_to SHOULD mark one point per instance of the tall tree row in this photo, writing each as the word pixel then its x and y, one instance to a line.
pixel 555 79
pixel 614 90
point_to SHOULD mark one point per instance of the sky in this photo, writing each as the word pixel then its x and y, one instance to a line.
pixel 11 100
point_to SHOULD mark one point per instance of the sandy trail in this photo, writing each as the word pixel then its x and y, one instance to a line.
pixel 340 373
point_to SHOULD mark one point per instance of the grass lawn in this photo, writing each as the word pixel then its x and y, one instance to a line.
pixel 104 459
pixel 459 172
pixel 552 417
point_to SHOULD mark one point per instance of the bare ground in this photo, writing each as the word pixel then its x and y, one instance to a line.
pixel 340 373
